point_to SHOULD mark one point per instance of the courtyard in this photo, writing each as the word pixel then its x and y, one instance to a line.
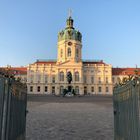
pixel 69 118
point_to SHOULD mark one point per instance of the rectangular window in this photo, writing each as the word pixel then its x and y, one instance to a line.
pixel 53 90
pixel 46 79
pixel 39 78
pixel 46 88
pixel 53 79
pixel 92 89
pixel 107 90
pixel 77 89
pixel 100 89
pixel 76 76
pixel 31 88
pixel 99 80
pixel 92 79
pixel 85 79
pixel 38 89
pixel 85 90
pixel 106 80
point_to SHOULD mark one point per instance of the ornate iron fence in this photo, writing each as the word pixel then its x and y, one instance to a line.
pixel 126 97
pixel 13 101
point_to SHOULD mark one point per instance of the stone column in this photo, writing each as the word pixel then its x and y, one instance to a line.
pixel 81 90
pixel 57 89
pixel 49 89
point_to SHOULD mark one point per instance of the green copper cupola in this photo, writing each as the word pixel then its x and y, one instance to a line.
pixel 69 33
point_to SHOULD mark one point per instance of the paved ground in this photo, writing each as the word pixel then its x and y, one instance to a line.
pixel 78 118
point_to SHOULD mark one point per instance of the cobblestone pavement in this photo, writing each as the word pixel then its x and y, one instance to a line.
pixel 70 120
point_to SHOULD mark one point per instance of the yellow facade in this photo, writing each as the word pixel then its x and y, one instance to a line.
pixel 88 77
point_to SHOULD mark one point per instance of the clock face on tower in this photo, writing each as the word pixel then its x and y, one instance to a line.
pixel 69 43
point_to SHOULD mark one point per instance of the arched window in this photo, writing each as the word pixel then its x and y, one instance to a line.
pixel 61 76
pixel 76 76
pixel 69 51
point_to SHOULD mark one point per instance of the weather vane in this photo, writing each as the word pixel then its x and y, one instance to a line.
pixel 70 12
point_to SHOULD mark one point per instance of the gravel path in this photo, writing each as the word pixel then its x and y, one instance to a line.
pixel 69 121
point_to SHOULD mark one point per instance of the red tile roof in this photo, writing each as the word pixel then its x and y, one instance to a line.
pixel 124 71
pixel 115 71
pixel 20 70
pixel 17 70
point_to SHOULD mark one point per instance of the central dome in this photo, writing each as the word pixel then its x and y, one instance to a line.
pixel 69 32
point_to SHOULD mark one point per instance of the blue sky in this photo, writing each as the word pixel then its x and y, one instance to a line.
pixel 110 30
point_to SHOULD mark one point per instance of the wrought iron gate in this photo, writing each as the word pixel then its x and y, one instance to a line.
pixel 127 110
pixel 13 101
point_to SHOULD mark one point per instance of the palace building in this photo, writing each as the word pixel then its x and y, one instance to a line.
pixel 88 76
